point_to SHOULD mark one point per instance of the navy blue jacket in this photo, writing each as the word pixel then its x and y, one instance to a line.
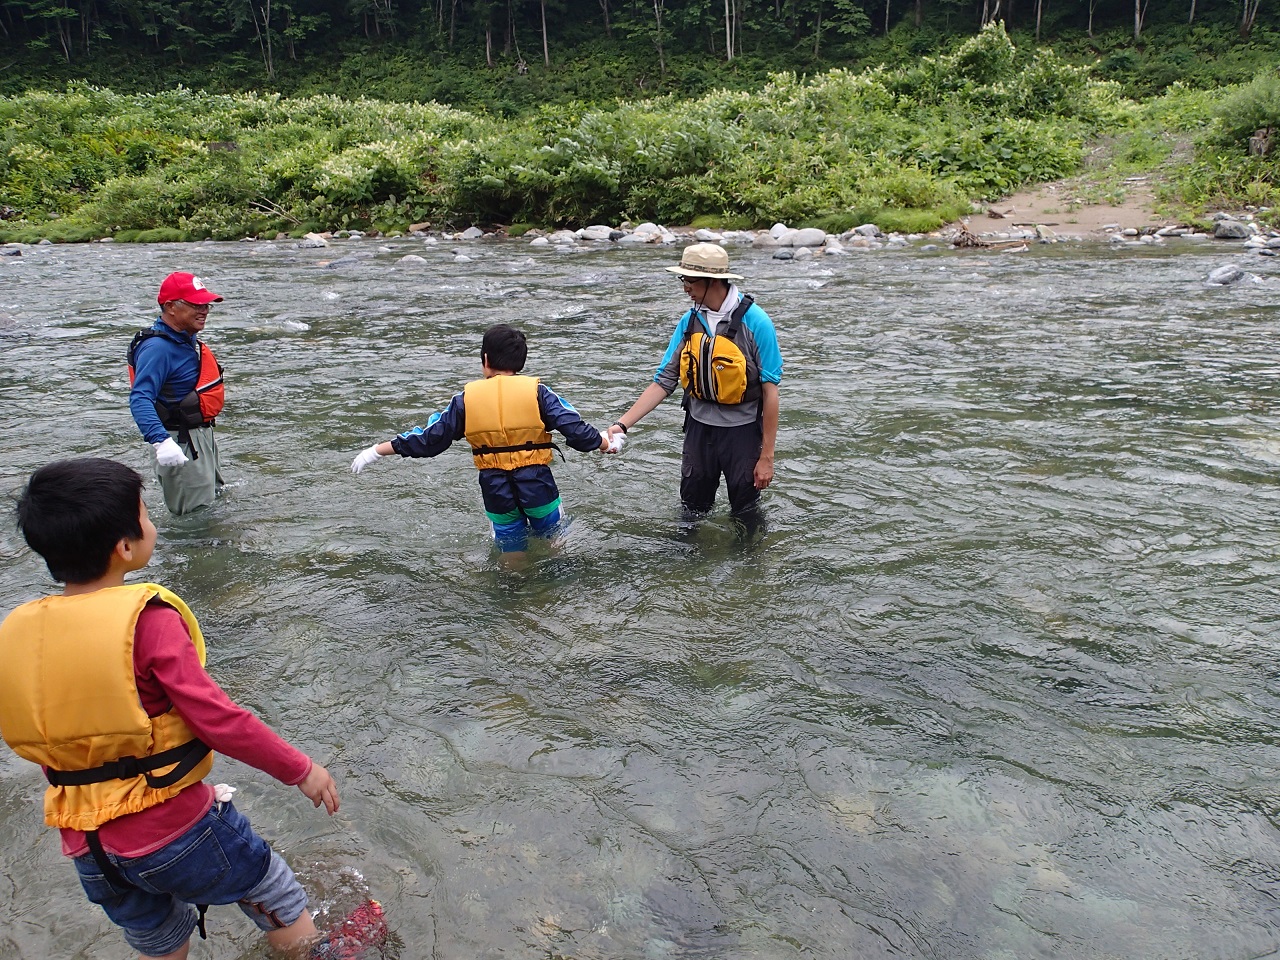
pixel 450 424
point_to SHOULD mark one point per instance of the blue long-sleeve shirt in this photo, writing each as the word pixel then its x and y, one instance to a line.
pixel 164 368
pixel 450 424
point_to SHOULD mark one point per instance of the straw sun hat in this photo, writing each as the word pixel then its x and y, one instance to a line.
pixel 705 260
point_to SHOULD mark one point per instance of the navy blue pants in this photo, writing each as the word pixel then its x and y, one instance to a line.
pixel 712 452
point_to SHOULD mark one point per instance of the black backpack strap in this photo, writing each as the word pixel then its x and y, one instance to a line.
pixel 740 311
pixel 138 337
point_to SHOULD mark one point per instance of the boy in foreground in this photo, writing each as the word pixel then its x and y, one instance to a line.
pixel 507 419
pixel 104 686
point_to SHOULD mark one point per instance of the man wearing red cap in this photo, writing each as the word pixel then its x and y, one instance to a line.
pixel 177 393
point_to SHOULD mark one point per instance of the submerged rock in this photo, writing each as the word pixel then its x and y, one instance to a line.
pixel 1224 276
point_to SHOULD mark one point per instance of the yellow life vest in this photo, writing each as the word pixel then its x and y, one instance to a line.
pixel 504 423
pixel 716 368
pixel 69 701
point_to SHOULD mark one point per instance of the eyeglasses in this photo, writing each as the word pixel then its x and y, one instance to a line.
pixel 195 306
pixel 688 280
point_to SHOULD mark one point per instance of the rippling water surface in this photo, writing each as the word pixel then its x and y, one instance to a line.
pixel 1000 682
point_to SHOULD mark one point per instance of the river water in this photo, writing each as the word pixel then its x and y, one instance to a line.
pixel 999 682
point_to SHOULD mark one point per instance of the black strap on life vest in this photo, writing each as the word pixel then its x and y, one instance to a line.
pixel 108 868
pixel 187 757
pixel 735 318
pixel 117 879
pixel 515 448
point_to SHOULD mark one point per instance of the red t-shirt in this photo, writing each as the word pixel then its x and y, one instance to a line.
pixel 169 673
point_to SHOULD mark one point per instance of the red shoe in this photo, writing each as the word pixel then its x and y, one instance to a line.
pixel 364 928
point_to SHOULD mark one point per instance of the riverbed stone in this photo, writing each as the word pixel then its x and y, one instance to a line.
pixel 411 259
pixel 867 230
pixel 637 239
pixel 784 253
pixel 1225 275
pixel 596 231
pixel 471 233
pixel 1231 230
pixel 777 230
pixel 809 237
pixel 802 253
pixel 10 250
pixel 786 238
pixel 647 229
pixel 312 241
pixel 707 236
pixel 563 237
pixel 539 242
pixel 764 240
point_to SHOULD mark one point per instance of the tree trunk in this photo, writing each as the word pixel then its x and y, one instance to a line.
pixel 919 17
pixel 1139 15
pixel 1039 12
pixel 608 31
pixel 546 50
pixel 817 33
pixel 1249 16
pixel 657 19
pixel 266 28
pixel 1191 17
pixel 886 17
pixel 728 33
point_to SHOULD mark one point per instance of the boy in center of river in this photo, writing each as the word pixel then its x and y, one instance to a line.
pixel 507 419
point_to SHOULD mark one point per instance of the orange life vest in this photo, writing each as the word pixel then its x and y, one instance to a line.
pixel 504 423
pixel 205 401
pixel 69 701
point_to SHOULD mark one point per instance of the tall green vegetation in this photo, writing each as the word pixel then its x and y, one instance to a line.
pixel 906 147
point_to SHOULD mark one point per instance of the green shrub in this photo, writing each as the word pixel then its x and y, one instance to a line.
pixel 1249 108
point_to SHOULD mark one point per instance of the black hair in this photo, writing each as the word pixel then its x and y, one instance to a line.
pixel 504 348
pixel 74 512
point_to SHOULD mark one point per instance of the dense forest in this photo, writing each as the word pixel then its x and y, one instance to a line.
pixel 504 55
pixel 150 120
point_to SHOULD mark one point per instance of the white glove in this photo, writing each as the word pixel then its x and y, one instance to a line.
pixel 616 442
pixel 222 792
pixel 364 458
pixel 169 454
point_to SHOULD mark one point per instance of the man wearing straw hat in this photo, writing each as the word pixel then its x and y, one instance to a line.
pixel 724 353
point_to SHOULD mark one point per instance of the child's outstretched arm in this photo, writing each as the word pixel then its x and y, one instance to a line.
pixel 366 457
pixel 442 429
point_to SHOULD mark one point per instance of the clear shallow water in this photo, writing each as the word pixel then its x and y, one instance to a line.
pixel 1000 682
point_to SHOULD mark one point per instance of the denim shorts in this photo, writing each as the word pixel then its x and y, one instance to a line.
pixel 219 860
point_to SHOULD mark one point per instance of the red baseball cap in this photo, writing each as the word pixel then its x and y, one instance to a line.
pixel 185 286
